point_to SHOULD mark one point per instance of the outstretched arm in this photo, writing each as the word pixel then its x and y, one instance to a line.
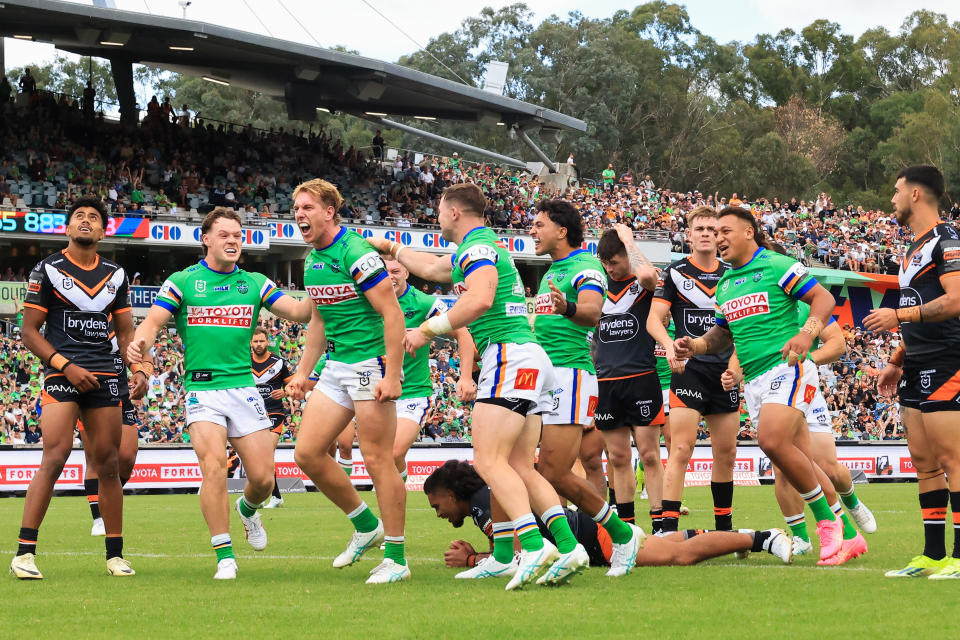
pixel 419 263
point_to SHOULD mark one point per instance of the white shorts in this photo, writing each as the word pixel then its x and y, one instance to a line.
pixel 574 397
pixel 240 410
pixel 517 371
pixel 344 383
pixel 818 416
pixel 796 386
pixel 666 402
pixel 414 409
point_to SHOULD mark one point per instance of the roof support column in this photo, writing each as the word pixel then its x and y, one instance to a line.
pixel 551 166
pixel 122 69
pixel 447 141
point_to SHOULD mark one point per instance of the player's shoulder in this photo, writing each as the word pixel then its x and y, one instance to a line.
pixel 947 231
pixel 54 260
pixel 678 265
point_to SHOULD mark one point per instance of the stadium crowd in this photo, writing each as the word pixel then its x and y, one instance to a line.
pixel 54 150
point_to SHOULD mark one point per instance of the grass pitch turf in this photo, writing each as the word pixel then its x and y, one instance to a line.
pixel 290 589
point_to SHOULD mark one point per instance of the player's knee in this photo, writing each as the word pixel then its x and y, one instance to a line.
pixel 682 451
pixel 213 464
pixel 620 459
pixel 769 442
pixel 307 461
pixel 650 459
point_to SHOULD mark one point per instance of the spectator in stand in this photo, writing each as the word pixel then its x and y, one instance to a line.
pixel 378 146
pixel 609 175
pixel 28 83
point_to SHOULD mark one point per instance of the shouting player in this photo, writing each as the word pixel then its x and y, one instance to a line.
pixel 455 491
pixel 75 291
pixel 928 361
pixel 757 313
pixel 686 291
pixel 216 305
pixel 568 305
pixel 358 322
pixel 631 402
pixel 270 374
pixel 515 384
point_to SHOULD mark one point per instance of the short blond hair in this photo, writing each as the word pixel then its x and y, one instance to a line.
pixel 324 192
pixel 703 211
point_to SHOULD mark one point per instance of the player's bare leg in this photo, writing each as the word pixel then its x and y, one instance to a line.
pixel 683 436
pixel 407 432
pixel 648 448
pixel 559 446
pixel 723 429
pixel 323 421
pixel 56 423
pixel 591 457
pixel 620 463
pixel 376 433
pixel 256 452
pixel 676 549
pixel 209 442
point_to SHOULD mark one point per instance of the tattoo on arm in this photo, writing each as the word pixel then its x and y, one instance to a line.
pixel 636 257
pixel 932 311
pixel 717 339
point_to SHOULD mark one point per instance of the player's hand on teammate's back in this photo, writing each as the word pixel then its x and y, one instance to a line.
pixel 466 389
pixel 388 389
pixel 882 319
pixel 297 387
pixel 138 386
pixel 796 348
pixel 683 348
pixel 557 298
pixel 888 379
pixel 458 552
pixel 413 340
pixel 80 378
pixel 135 351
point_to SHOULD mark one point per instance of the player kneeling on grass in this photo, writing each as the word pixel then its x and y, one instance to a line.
pixel 216 305
pixel 757 312
pixel 456 491
pixel 516 379
pixel 357 319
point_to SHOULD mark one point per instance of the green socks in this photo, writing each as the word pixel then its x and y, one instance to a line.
pixel 222 545
pixel 246 508
pixel 503 542
pixel 393 548
pixel 818 504
pixel 556 521
pixel 849 531
pixel 364 521
pixel 619 532
pixel 528 532
pixel 798 526
pixel 849 499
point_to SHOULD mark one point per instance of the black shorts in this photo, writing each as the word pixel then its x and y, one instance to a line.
pixel 933 385
pixel 699 388
pixel 636 401
pixel 56 388
pixel 129 411
pixel 276 422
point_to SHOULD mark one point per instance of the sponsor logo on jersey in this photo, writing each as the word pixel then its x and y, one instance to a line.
pixel 459 289
pixel 634 288
pixel 60 388
pixel 332 293
pixel 751 304
pixel 592 406
pixel 952 255
pixel 317 265
pixel 758 276
pixel 364 377
pixel 618 327
pixel 409 314
pixel 776 382
pixel 90 327
pixel 111 288
pixel 335 266
pixel 227 315
pixel 603 416
pixel 515 308
pixel 659 351
pixel 739 281
pixel 222 287
pixel 543 304
pixel 690 393
pixel 698 321
pixel 809 392
pixel 688 284
pixel 67 283
pixel 909 297
pixel 526 379
pixel 200 286
pixel 242 286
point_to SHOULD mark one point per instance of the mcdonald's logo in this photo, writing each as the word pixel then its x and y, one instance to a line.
pixel 526 379
pixel 592 406
pixel 808 393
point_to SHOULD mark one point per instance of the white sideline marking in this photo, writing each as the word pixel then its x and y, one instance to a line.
pixel 259 556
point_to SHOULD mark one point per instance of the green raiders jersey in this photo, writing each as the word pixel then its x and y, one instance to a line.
pixel 758 304
pixel 803 312
pixel 336 278
pixel 318 368
pixel 567 343
pixel 506 320
pixel 216 314
pixel 663 367
pixel 417 307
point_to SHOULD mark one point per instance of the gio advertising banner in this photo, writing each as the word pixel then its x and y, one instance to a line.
pixel 188 235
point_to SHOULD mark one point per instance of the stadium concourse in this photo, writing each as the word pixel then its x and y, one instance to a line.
pixel 53 154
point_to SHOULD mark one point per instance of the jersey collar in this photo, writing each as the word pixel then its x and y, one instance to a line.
pixel 469 232
pixel 204 263
pixel 570 255
pixel 752 258
pixel 339 235
pixel 405 291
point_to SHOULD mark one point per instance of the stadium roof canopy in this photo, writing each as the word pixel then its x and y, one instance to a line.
pixel 306 77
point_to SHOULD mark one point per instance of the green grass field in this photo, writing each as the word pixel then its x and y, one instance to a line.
pixel 290 590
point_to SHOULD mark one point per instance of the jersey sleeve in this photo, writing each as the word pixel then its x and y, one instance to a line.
pixel 720 319
pixel 170 295
pixel 665 288
pixel 121 303
pixel 946 255
pixel 285 373
pixel 479 255
pixel 269 292
pixel 435 307
pixel 795 280
pixel 366 267
pixel 39 294
pixel 590 280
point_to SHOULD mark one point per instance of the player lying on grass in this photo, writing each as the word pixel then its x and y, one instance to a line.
pixel 456 491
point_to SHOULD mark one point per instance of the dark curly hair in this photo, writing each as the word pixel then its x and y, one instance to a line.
pixel 94 203
pixel 564 214
pixel 457 476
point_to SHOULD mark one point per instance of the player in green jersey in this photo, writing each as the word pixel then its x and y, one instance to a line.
pixel 757 312
pixel 357 320
pixel 516 380
pixel 568 305
pixel 416 401
pixel 216 305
